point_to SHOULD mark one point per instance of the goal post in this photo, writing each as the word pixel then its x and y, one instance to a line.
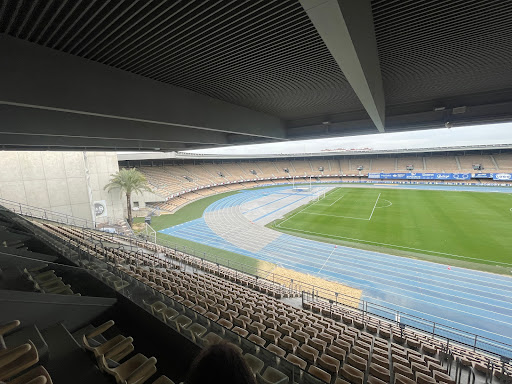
pixel 320 196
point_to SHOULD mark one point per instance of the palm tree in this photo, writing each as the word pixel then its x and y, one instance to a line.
pixel 130 181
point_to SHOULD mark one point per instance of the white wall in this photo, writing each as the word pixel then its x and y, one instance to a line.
pixel 65 182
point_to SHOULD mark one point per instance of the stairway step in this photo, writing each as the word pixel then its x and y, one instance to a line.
pixel 69 363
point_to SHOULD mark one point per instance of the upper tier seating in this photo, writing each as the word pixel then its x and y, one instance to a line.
pixel 170 180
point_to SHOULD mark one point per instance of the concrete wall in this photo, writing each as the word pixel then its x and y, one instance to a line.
pixel 65 182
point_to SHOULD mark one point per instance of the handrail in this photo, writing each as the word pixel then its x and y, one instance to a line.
pixel 308 288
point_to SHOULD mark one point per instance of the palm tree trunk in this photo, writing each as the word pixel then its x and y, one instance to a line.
pixel 129 208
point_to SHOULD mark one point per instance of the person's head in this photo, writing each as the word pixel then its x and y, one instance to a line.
pixel 220 363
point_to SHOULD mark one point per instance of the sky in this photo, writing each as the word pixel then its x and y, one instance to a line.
pixel 431 138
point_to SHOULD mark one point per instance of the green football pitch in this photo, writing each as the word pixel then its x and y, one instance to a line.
pixel 471 226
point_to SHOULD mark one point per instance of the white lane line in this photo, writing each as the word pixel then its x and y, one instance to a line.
pixel 374 207
pixel 320 270
pixel 390 245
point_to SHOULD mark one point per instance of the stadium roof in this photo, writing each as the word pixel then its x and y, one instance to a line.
pixel 178 75
pixel 469 149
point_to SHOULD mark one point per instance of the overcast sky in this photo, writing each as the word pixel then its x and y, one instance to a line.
pixel 460 136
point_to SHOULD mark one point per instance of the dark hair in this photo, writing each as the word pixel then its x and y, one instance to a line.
pixel 220 363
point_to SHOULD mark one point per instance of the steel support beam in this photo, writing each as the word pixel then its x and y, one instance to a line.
pixel 346 27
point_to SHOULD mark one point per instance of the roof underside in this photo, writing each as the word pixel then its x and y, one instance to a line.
pixel 268 56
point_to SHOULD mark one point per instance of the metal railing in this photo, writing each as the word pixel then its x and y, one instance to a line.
pixel 310 292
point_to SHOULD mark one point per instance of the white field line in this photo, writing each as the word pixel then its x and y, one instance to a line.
pixel 307 206
pixel 389 205
pixel 336 200
pixel 390 245
pixel 374 207
pixel 325 214
pixel 320 270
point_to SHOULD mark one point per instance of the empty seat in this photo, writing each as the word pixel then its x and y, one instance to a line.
pixel 275 349
pixel 271 335
pixel 357 361
pixel 363 353
pixel 169 314
pixel 329 363
pixel 256 327
pixel 379 360
pixel 325 337
pixel 288 343
pixel 444 377
pixel 375 380
pixel 254 363
pixel 421 378
pixel 336 352
pixel 96 343
pixel 136 369
pixel 318 344
pixel 18 359
pixel 312 332
pixel 257 340
pixel 240 331
pixel 403 370
pixel 182 321
pixel 195 331
pixel 352 374
pixel 300 336
pixel 296 361
pixel 37 375
pixel 380 372
pixel 225 323
pixel 421 368
pixel 272 376
pixel 343 345
pixel 428 349
pixel 6 328
pixel 285 329
pixel 308 353
pixel 320 374
pixel 400 379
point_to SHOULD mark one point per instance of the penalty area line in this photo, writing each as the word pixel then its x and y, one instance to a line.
pixel 376 201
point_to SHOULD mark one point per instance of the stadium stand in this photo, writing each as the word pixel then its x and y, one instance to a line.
pixel 205 302
pixel 183 183
pixel 503 161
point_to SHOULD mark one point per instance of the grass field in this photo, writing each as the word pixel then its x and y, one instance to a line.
pixel 460 225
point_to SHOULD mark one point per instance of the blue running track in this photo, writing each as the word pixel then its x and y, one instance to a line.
pixel 471 301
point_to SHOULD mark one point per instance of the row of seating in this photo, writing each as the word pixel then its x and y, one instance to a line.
pixel 18 364
pixel 281 331
pixel 47 281
pixel 428 345
pixel 162 256
pixel 109 355
pixel 189 292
